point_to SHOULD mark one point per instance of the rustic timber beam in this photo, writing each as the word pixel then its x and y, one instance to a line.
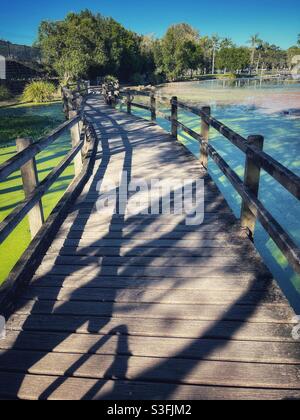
pixel 30 181
pixel 251 181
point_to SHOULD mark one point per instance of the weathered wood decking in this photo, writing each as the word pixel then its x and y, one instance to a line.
pixel 145 307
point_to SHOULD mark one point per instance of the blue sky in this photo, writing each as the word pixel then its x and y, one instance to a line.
pixel 277 21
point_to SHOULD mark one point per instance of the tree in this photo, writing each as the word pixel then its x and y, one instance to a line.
pixel 73 45
pixel 88 45
pixel 298 41
pixel 233 59
pixel 255 41
pixel 227 43
pixel 189 57
pixel 172 48
pixel 271 56
pixel 291 52
pixel 216 43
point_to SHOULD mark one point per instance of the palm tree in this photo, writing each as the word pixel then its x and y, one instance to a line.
pixel 254 41
pixel 298 42
pixel 215 40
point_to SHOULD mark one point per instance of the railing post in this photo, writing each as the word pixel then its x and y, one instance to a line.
pixel 153 106
pixel 128 103
pixel 174 117
pixel 205 137
pixel 75 136
pixel 30 182
pixel 251 181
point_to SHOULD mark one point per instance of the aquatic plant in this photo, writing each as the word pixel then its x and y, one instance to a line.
pixel 39 92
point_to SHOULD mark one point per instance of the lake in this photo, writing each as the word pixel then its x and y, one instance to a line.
pixel 251 107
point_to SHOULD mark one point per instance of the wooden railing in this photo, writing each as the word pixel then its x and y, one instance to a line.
pixel 83 152
pixel 253 209
pixel 24 160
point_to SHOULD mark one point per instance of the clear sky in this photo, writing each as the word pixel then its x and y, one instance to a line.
pixel 277 21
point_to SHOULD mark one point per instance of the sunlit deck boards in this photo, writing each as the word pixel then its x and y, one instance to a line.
pixel 145 307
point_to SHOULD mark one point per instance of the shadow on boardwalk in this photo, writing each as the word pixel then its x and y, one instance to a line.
pixel 118 370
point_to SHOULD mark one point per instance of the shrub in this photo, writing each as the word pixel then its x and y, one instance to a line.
pixel 230 76
pixel 5 93
pixel 39 92
pixel 110 79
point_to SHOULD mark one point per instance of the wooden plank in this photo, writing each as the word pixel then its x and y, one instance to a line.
pixel 149 261
pixel 224 282
pixel 122 344
pixel 146 327
pixel 92 241
pixel 32 387
pixel 142 295
pixel 62 250
pixel 142 271
pixel 91 230
pixel 229 312
pixel 176 370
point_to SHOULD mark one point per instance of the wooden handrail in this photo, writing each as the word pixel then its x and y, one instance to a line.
pixel 16 162
pixel 256 159
pixel 18 214
pixel 24 160
pixel 283 175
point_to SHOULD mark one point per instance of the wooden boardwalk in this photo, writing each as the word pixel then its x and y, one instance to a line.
pixel 145 307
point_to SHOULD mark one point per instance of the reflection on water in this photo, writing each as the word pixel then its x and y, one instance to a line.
pixel 252 107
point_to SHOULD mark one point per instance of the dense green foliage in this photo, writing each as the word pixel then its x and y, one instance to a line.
pixel 5 94
pixel 39 92
pixel 86 45
pixel 233 59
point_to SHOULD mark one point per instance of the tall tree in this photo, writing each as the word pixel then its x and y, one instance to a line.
pixel 254 41
pixel 233 58
pixel 172 45
pixel 216 42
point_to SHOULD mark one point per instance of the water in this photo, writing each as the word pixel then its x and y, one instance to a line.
pixel 11 191
pixel 252 107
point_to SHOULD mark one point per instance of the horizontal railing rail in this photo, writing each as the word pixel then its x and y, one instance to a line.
pixel 20 159
pixel 256 159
